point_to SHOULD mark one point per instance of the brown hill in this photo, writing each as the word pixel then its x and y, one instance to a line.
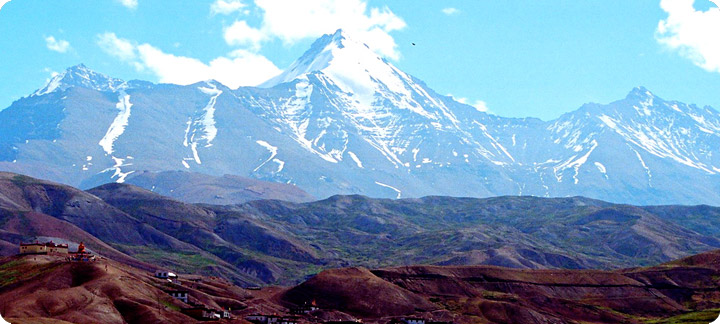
pixel 358 291
pixel 33 209
pixel 34 289
pixel 45 289
pixel 277 242
pixel 236 239
pixel 687 291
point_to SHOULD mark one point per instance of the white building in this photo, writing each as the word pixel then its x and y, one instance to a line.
pixel 181 295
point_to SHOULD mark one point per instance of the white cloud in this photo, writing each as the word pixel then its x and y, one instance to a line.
pixel 238 68
pixel 239 33
pixel 120 48
pixel 47 80
pixel 292 21
pixel 450 11
pixel 57 45
pixel 3 2
pixel 479 105
pixel 694 34
pixel 131 4
pixel 226 7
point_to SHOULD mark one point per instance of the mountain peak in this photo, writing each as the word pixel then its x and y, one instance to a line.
pixel 640 92
pixel 80 76
pixel 336 39
pixel 338 36
pixel 330 51
pixel 78 68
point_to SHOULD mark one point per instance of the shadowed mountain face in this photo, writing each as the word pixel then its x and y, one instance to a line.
pixel 342 120
pixel 519 232
pixel 270 241
pixel 226 190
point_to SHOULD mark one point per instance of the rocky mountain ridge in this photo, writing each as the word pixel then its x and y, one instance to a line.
pixel 342 120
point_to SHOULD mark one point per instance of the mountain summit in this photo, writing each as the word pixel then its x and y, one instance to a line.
pixel 341 119
pixel 351 65
pixel 80 76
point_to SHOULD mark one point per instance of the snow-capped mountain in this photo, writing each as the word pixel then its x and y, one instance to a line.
pixel 343 120
pixel 81 76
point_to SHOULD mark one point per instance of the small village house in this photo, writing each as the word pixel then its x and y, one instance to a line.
pixel 170 276
pixel 44 248
pixel 272 319
pixel 289 320
pixel 408 320
pixel 415 320
pixel 201 313
pixel 262 319
pixel 305 308
pixel 181 295
pixel 33 248
pixel 56 249
pixel 164 274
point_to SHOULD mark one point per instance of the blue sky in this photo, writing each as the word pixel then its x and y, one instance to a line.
pixel 515 58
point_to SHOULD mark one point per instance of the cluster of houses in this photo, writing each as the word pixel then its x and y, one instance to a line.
pixel 415 320
pixel 299 313
pixel 304 309
pixel 272 319
pixel 200 312
pixel 44 248
pixel 51 248
pixel 196 311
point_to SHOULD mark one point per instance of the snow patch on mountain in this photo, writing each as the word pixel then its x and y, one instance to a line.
pixel 118 125
pixel 575 163
pixel 118 174
pixel 399 193
pixel 356 159
pixel 280 163
pixel 647 170
pixel 200 129
pixel 207 121
pixel 602 169
pixel 196 155
pixel 273 152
